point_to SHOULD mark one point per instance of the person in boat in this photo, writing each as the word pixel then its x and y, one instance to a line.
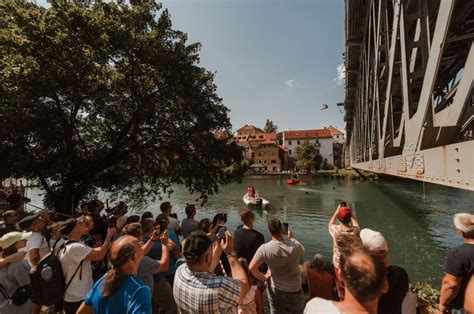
pixel 253 191
pixel 249 191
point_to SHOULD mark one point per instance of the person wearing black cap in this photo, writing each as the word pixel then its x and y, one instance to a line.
pixel 197 289
pixel 78 256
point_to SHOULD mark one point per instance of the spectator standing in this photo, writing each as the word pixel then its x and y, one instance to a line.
pixel 76 260
pixel 346 233
pixel 162 291
pixel 246 239
pixel 363 273
pixel 246 242
pixel 10 217
pixel 173 223
pixel 149 266
pixel 120 290
pixel 14 275
pixel 282 255
pixel 459 266
pixel 36 246
pixel 397 277
pixel 197 289
pixel 188 224
pixel 100 226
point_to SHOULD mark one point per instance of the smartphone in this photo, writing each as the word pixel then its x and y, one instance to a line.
pixel 225 217
pixel 174 215
pixel 285 227
pixel 161 226
pixel 221 233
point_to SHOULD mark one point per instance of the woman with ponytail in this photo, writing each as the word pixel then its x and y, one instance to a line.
pixel 120 290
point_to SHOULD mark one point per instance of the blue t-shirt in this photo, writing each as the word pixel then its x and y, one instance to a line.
pixel 133 296
pixel 155 253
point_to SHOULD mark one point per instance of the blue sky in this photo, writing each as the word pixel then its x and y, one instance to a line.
pixel 273 59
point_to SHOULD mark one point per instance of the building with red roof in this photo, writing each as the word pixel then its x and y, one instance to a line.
pixel 322 138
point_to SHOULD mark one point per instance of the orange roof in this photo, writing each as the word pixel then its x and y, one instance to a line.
pixel 263 137
pixel 305 134
pixel 249 127
pixel 334 131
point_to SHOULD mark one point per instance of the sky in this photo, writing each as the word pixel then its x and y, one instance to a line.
pixel 273 59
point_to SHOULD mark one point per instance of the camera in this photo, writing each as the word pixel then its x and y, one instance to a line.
pixel 111 222
pixel 285 227
pixel 221 233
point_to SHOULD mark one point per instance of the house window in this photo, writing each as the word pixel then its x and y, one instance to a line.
pixel 260 154
pixel 298 142
pixel 289 142
pixel 337 136
pixel 274 161
pixel 265 161
pixel 259 161
pixel 289 152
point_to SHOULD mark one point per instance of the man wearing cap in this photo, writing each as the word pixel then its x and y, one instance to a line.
pixel 459 267
pixel 344 234
pixel 36 247
pixel 397 277
pixel 197 289
pixel 16 274
pixel 76 260
pixel 10 218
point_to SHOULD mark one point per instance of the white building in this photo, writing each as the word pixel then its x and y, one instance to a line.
pixel 322 138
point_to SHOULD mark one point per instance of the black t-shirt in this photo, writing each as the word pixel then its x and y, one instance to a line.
pixel 460 263
pixel 100 226
pixel 6 228
pixel 391 302
pixel 246 242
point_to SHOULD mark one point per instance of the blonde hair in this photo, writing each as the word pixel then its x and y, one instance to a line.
pixel 464 222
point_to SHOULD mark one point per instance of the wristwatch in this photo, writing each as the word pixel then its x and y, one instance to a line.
pixel 232 254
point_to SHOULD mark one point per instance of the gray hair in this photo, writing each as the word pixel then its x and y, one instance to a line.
pixel 464 222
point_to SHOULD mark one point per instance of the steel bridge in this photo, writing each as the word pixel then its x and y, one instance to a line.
pixel 409 89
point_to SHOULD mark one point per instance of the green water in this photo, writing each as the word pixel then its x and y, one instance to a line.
pixel 418 232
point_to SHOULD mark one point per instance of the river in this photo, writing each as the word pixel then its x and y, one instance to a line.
pixel 419 232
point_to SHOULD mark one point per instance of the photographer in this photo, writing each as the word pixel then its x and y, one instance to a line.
pixel 76 260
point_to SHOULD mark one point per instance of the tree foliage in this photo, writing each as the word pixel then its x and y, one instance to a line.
pixel 270 127
pixel 106 95
pixel 308 157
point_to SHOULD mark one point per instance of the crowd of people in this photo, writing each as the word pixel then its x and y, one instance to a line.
pixel 105 261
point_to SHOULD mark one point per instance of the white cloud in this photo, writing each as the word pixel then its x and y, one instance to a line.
pixel 341 74
pixel 290 83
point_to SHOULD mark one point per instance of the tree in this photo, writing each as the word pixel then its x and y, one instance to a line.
pixel 270 127
pixel 107 96
pixel 308 157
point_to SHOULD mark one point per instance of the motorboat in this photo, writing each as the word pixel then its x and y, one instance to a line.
pixel 258 202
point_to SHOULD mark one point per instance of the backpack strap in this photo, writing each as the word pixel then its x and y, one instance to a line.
pixel 54 245
pixel 4 293
pixel 74 275
pixel 78 267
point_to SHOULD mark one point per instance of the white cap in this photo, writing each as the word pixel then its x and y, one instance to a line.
pixel 373 240
pixel 13 237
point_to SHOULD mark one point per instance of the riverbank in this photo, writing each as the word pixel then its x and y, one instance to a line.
pixel 350 174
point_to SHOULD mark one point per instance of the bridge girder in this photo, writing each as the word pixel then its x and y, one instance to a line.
pixel 410 89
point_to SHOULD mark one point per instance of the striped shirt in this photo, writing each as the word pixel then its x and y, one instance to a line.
pixel 204 292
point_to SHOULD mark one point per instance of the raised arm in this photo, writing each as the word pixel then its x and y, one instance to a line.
pixel 165 254
pixel 238 273
pixel 332 221
pixel 98 253
pixel 12 258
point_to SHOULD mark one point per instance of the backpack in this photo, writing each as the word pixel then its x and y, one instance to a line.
pixel 47 279
pixel 19 296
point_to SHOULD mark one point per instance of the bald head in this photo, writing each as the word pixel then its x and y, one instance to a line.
pixel 363 272
pixel 126 253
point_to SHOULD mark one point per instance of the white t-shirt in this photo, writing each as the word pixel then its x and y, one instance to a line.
pixel 318 305
pixel 71 256
pixel 36 241
pixel 173 223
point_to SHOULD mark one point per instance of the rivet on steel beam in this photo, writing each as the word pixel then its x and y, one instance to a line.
pixel 456 149
pixel 459 170
pixel 457 159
